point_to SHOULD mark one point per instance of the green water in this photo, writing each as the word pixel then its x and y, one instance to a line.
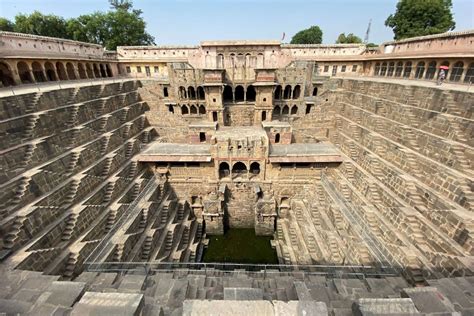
pixel 240 245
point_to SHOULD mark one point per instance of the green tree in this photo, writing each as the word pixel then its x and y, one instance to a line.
pixel 349 39
pixel 372 45
pixel 39 24
pixel 421 17
pixel 312 35
pixel 6 25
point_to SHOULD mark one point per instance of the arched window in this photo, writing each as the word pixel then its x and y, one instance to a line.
pixel 220 61
pixel 276 111
pixel 277 138
pixel 285 110
pixel 260 60
pixel 294 110
pixel 250 94
pixel 239 168
pixel 383 69
pixel 184 110
pixel 456 73
pixel 420 69
pixel 287 93
pixel 469 74
pixel 278 92
pixel 38 72
pixel 96 71
pixel 202 109
pixel 182 92
pixel 315 91
pixel 377 69
pixel 228 95
pixel 296 92
pixel 6 76
pixel 90 74
pixel 50 71
pixel 191 93
pixel 200 93
pixel 255 168
pixel 407 70
pixel 82 71
pixel 24 72
pixel 239 93
pixel 193 109
pixel 431 70
pixel 224 170
pixel 391 69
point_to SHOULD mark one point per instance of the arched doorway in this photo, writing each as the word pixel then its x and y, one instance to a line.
pixel 287 92
pixel 96 71
pixel 82 71
pixel 220 61
pixel 90 74
pixel 6 76
pixel 431 70
pixel 191 93
pixel 61 71
pixel 224 170
pixel 407 70
pixel 239 93
pixel 202 109
pixel 24 72
pixel 70 71
pixel 277 138
pixel 420 69
pixel 285 110
pixel 469 78
pixel 255 168
pixel 456 73
pixel 184 110
pixel 200 93
pixel 294 110
pixel 103 73
pixel 227 95
pixel 193 109
pixel 108 70
pixel 182 92
pixel 296 92
pixel 278 90
pixel 250 94
pixel 50 71
pixel 38 72
pixel 276 111
pixel 239 168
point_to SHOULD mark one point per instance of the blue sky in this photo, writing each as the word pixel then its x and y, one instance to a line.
pixel 191 21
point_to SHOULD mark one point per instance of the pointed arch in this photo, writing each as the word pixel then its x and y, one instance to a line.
pixel 287 92
pixel 294 110
pixel 24 72
pixel 228 94
pixel 277 94
pixel 239 93
pixel 50 71
pixel 6 75
pixel 285 110
pixel 250 95
pixel 296 92
pixel 38 72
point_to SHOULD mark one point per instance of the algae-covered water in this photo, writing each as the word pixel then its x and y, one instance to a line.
pixel 240 245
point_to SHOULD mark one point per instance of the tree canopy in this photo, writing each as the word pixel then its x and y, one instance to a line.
pixel 312 35
pixel 122 25
pixel 349 39
pixel 421 17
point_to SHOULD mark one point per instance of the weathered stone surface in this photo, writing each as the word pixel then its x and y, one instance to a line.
pixel 94 303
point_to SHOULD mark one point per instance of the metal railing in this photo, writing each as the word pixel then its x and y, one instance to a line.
pixel 334 271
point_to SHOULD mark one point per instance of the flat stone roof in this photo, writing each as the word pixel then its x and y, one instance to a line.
pixel 176 152
pixel 307 152
pixel 275 124
pixel 241 43
pixel 203 124
pixel 240 132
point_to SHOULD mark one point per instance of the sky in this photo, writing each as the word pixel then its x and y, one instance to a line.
pixel 187 22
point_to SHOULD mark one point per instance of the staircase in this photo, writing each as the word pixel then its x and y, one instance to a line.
pixel 75 155
pixel 71 265
pixel 30 125
pixel 107 164
pixel 109 190
pixel 12 236
pixel 70 224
